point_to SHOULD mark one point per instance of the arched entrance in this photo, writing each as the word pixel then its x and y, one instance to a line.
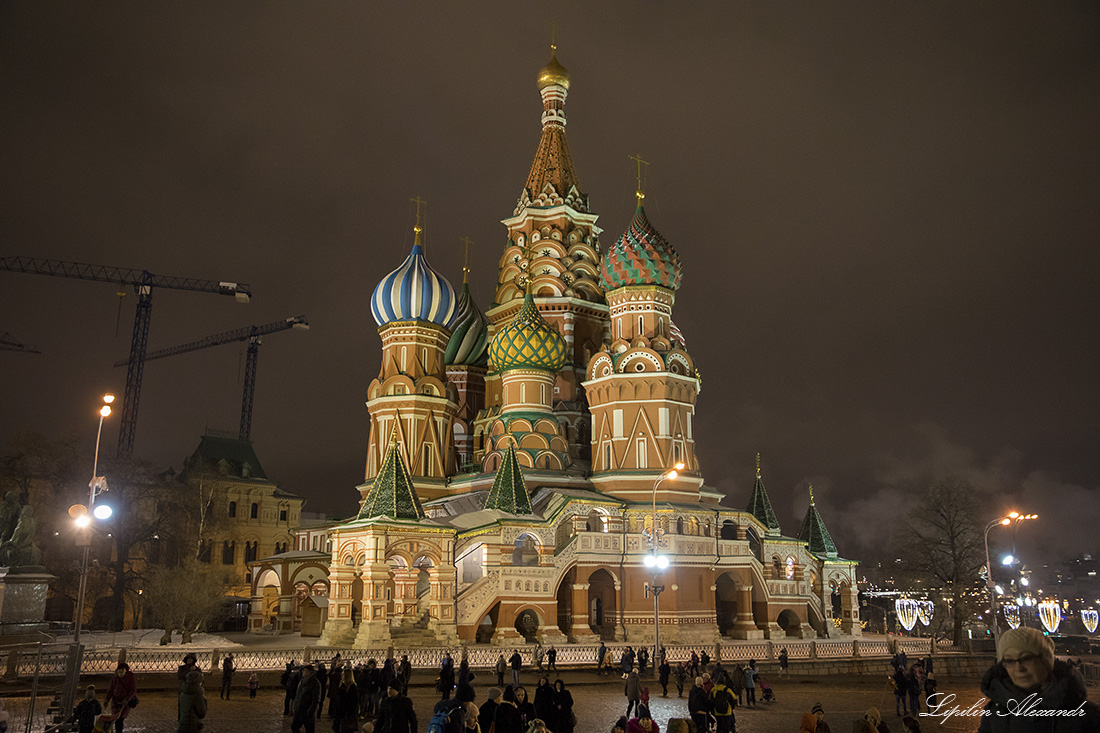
pixel 527 624
pixel 488 625
pixel 725 602
pixel 564 597
pixel 602 604
pixel 790 623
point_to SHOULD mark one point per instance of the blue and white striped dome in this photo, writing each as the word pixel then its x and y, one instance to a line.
pixel 414 292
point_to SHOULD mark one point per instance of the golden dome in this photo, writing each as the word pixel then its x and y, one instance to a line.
pixel 553 73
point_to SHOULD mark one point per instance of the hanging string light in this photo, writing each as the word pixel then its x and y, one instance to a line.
pixel 925 609
pixel 907 612
pixel 1050 613
pixel 1090 617
pixel 1012 616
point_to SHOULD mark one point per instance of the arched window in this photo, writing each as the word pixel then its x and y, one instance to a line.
pixel 525 552
pixel 729 530
pixel 255 512
pixel 777 568
pixel 232 508
pixel 679 525
pixel 755 547
pixel 641 326
pixel 790 568
pixel 229 553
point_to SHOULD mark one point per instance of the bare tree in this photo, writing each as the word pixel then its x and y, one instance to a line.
pixel 945 544
pixel 186 597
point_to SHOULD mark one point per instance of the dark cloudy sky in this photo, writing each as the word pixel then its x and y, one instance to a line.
pixel 888 215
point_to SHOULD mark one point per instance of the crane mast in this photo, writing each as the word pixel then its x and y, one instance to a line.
pixel 143 283
pixel 254 336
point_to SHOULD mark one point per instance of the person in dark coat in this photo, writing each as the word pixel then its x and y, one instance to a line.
pixel 699 706
pixel 190 662
pixel 681 678
pixel 525 707
pixel 663 672
pixel 446 682
pixel 784 663
pixel 488 711
pixel 405 673
pixel 370 691
pixel 464 692
pixel 335 675
pixel 601 654
pixel 901 690
pixel 633 691
pixel 737 682
pixel 507 717
pixel 1026 673
pixel 291 678
pixel 552 665
pixel 307 699
pixel 228 668
pixel 545 706
pixel 86 711
pixel 321 675
pixel 516 663
pixel 345 716
pixel 563 702
pixel 192 704
pixel 396 713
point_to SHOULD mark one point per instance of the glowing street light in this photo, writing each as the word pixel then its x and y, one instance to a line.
pixel 1013 516
pixel 83 520
pixel 655 561
pixel 1007 560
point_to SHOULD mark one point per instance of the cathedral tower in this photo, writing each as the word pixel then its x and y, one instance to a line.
pixel 415 308
pixel 553 253
pixel 467 357
pixel 642 386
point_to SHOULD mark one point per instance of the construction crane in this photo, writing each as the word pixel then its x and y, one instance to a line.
pixel 143 283
pixel 10 343
pixel 254 336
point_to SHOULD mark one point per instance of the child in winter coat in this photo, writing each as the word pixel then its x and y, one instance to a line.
pixel 253 685
pixel 86 711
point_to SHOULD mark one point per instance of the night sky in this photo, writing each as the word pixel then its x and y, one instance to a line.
pixel 887 214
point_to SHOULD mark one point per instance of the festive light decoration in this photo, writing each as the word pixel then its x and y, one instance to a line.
pixel 1050 613
pixel 925 609
pixel 1012 616
pixel 1090 617
pixel 907 612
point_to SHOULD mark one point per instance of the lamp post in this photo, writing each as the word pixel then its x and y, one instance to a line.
pixel 1012 517
pixel 84 519
pixel 657 562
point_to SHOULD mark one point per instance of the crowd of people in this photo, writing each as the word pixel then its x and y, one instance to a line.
pixel 373 698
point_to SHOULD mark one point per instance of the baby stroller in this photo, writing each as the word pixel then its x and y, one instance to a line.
pixel 766 692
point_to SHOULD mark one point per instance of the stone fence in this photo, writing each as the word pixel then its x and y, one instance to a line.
pixel 807 657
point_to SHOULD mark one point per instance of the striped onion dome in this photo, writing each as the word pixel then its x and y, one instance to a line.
pixel 641 256
pixel 470 333
pixel 527 342
pixel 414 292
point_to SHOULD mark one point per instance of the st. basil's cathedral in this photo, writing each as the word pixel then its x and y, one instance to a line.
pixel 519 457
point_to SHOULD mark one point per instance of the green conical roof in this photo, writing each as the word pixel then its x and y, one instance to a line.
pixel 393 494
pixel 814 533
pixel 760 506
pixel 509 492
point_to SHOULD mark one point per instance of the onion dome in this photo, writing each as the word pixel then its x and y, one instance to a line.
pixel 527 342
pixel 553 72
pixel 641 256
pixel 414 292
pixel 469 334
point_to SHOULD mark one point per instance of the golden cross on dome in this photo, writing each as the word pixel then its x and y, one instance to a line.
pixel 757 465
pixel 553 36
pixel 811 494
pixel 466 259
pixel 417 228
pixel 639 193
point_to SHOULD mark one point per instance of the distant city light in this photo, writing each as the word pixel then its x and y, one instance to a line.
pixel 1008 560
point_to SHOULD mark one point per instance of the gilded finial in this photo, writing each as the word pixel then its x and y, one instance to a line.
pixel 639 193
pixel 466 259
pixel 811 494
pixel 417 228
pixel 757 465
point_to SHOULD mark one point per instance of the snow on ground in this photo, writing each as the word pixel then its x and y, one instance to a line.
pixel 148 639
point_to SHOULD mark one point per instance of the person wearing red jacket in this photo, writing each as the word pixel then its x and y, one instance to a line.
pixel 121 694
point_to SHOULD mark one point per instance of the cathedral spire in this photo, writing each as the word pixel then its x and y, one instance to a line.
pixel 552 180
pixel 813 531
pixel 760 506
pixel 393 494
pixel 509 492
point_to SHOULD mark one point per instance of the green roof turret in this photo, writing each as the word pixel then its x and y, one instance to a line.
pixel 392 494
pixel 760 506
pixel 814 533
pixel 509 492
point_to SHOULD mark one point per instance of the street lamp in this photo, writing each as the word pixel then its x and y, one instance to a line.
pixel 83 518
pixel 657 562
pixel 1012 517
